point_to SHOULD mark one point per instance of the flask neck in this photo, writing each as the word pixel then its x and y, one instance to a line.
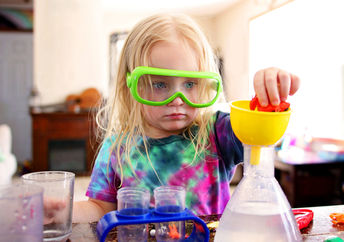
pixel 259 161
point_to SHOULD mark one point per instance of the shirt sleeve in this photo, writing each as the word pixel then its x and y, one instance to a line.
pixel 229 147
pixel 102 185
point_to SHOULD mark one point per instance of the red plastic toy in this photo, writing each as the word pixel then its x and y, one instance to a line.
pixel 173 231
pixel 254 103
pixel 303 217
pixel 337 218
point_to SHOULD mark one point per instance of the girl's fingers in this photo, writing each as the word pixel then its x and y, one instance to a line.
pixel 53 204
pixel 271 85
pixel 295 84
pixel 52 208
pixel 47 220
pixel 259 88
pixel 284 83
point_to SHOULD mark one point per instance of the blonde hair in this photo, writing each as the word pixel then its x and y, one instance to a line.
pixel 121 116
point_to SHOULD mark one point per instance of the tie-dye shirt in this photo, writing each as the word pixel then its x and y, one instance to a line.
pixel 205 179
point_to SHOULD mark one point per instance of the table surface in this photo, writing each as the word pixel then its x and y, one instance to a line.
pixel 298 156
pixel 319 229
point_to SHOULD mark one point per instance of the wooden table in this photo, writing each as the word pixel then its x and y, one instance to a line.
pixel 320 229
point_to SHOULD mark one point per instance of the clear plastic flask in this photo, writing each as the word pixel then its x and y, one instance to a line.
pixel 258 210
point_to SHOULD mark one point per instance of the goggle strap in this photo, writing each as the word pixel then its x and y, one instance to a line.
pixel 129 79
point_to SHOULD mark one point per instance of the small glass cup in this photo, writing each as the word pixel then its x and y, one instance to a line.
pixel 21 213
pixel 58 189
pixel 169 200
pixel 133 202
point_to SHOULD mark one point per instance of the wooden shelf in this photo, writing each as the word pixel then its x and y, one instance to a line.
pixel 16 30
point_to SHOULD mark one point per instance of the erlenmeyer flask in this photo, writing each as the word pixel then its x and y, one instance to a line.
pixel 258 209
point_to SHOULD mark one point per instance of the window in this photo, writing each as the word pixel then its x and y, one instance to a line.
pixel 306 37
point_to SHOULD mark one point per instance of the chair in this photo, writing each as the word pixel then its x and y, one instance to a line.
pixel 8 162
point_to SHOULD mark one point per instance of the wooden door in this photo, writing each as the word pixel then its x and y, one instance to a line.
pixel 16 78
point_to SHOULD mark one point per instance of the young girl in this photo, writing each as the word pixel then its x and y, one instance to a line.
pixel 158 125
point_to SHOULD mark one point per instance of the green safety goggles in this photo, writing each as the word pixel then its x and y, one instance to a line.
pixel 157 87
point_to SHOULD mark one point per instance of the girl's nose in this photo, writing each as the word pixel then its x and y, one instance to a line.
pixel 176 102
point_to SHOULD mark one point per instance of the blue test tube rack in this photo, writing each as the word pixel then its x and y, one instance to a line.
pixel 113 219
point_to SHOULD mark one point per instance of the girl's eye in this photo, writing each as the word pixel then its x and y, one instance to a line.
pixel 190 84
pixel 159 85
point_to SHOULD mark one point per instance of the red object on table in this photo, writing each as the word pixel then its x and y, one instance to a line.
pixel 337 218
pixel 254 103
pixel 303 217
pixel 173 231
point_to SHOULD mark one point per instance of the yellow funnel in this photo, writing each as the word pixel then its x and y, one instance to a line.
pixel 256 127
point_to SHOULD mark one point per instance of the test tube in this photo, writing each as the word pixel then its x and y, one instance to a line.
pixel 132 202
pixel 169 200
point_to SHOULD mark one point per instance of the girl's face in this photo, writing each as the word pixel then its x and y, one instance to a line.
pixel 172 118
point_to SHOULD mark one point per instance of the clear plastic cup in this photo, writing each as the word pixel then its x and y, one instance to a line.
pixel 132 202
pixel 58 189
pixel 169 200
pixel 21 213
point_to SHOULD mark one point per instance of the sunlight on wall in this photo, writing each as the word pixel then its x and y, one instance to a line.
pixel 70 48
pixel 306 37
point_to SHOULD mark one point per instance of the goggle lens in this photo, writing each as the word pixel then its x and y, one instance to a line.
pixel 159 88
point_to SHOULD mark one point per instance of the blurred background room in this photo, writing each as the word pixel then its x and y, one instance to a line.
pixel 58 59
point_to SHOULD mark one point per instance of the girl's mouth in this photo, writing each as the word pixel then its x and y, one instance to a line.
pixel 176 116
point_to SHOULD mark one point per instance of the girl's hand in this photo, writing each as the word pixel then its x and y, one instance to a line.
pixel 273 85
pixel 55 211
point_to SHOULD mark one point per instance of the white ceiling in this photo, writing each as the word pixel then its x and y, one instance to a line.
pixel 196 7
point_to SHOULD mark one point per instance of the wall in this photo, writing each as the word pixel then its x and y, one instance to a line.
pixel 69 52
pixel 232 38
